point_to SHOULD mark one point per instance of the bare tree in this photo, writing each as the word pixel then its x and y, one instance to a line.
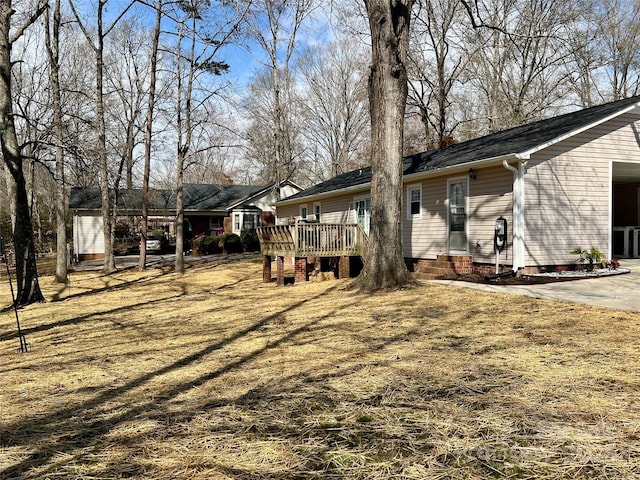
pixel 127 70
pixel 148 133
pixel 519 58
pixel 97 44
pixel 334 106
pixel 619 22
pixel 28 288
pixel 436 63
pixel 52 28
pixel 197 47
pixel 389 21
pixel 274 25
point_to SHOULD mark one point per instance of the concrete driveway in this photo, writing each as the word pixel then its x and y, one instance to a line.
pixel 621 292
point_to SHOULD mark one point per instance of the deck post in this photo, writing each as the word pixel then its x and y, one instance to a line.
pixel 266 268
pixel 344 270
pixel 280 270
pixel 300 266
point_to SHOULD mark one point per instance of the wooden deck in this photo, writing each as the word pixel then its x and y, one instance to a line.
pixel 312 240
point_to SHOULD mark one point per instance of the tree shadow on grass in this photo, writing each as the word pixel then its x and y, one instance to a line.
pixel 107 313
pixel 38 430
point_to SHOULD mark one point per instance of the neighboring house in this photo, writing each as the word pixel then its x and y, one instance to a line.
pixel 208 210
pixel 561 183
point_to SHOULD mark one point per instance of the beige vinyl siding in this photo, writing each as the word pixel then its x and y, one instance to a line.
pixel 568 191
pixel 333 210
pixel 426 237
pixel 490 196
pixel 287 211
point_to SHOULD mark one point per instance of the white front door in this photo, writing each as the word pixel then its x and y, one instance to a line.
pixel 458 217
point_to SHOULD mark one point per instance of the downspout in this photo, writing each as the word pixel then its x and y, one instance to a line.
pixel 518 210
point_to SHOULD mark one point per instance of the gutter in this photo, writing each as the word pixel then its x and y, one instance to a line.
pixel 518 231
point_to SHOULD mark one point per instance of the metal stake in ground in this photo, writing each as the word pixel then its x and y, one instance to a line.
pixel 24 346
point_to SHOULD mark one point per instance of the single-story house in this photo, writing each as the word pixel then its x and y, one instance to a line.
pixel 561 183
pixel 208 210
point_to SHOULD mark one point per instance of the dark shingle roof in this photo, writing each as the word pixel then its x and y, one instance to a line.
pixel 515 140
pixel 197 197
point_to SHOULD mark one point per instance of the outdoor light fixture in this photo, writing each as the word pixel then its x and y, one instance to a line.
pixel 472 174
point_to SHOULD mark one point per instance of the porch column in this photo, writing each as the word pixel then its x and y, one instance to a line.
pixel 266 268
pixel 280 270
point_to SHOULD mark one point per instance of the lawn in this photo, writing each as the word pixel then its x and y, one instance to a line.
pixel 215 375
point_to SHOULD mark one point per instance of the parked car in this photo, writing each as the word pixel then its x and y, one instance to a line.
pixel 157 244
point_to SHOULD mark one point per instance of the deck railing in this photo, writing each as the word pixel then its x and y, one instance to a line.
pixel 312 240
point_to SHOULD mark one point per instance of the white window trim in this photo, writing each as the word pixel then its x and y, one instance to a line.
pixel 410 188
pixel 235 228
pixel 317 207
pixel 303 206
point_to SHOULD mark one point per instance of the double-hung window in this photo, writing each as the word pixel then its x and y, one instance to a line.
pixel 414 202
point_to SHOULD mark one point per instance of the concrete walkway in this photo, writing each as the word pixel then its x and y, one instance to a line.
pixel 621 292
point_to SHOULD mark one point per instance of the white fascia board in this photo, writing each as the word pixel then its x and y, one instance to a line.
pixel 526 154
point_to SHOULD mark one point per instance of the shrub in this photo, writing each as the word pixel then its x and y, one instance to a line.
pixel 593 256
pixel 231 243
pixel 156 233
pixel 123 229
pixel 210 245
pixel 250 240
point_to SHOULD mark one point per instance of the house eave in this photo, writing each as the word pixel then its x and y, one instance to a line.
pixel 460 168
pixel 443 171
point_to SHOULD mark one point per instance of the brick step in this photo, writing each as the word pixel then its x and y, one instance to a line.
pixel 424 276
pixel 443 265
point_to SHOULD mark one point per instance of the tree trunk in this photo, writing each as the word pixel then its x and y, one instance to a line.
pixel 179 263
pixel 53 43
pixel 384 265
pixel 109 260
pixel 28 289
pixel 148 137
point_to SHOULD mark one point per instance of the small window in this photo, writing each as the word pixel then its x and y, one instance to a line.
pixel 249 222
pixel 236 223
pixel 414 202
pixel 317 211
pixel 303 212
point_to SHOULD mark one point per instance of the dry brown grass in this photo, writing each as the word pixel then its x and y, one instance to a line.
pixel 215 375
